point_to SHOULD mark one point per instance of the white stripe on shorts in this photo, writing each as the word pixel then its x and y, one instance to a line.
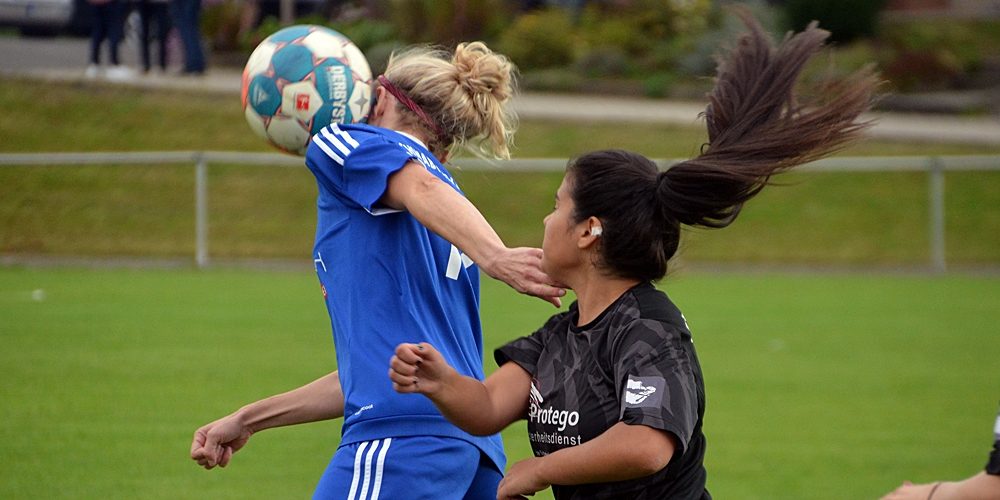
pixel 357 470
pixel 368 470
pixel 378 468
pixel 372 479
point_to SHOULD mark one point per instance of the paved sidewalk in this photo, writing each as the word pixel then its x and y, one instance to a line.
pixel 594 108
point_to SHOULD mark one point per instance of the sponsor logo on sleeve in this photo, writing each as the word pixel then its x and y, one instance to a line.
pixel 644 392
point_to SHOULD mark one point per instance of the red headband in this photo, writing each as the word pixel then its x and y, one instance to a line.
pixel 410 105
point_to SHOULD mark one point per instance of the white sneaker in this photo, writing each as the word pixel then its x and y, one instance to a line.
pixel 92 72
pixel 120 73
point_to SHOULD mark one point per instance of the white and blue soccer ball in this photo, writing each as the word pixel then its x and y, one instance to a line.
pixel 302 79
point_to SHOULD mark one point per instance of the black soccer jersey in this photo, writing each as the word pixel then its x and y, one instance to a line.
pixel 635 363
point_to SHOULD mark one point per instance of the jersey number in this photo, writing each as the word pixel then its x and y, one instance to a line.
pixel 456 262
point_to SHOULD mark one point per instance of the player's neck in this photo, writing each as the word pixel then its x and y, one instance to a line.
pixel 595 292
pixel 389 118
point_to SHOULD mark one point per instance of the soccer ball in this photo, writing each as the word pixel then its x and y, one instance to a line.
pixel 302 79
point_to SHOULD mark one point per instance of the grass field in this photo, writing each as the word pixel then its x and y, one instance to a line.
pixel 822 218
pixel 820 386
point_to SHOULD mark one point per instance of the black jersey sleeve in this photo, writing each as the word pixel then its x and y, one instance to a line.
pixel 657 379
pixel 525 351
pixel 993 465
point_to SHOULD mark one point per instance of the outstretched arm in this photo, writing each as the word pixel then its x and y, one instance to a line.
pixel 982 486
pixel 449 214
pixel 480 408
pixel 214 443
pixel 622 452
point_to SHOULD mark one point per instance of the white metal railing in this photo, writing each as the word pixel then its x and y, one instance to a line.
pixel 935 166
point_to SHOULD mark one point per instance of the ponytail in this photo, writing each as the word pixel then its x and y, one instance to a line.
pixel 758 127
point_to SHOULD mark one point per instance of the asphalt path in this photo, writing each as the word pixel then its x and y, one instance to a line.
pixel 64 59
pixel 30 54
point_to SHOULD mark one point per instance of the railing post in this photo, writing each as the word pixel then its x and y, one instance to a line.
pixel 936 203
pixel 201 211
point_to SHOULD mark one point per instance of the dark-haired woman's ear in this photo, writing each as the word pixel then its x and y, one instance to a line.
pixel 592 233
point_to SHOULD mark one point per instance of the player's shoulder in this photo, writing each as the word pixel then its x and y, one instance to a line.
pixel 652 311
pixel 350 136
pixel 338 141
pixel 560 320
pixel 652 303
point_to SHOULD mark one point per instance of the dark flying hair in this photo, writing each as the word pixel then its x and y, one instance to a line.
pixel 757 127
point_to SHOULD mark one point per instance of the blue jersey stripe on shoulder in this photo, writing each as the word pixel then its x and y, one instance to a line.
pixel 326 149
pixel 335 142
pixel 345 135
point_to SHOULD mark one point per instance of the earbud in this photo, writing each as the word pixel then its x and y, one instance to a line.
pixel 596 231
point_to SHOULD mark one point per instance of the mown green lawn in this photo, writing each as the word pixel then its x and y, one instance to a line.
pixel 262 212
pixel 820 386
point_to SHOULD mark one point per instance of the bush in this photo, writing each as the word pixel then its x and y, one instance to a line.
pixel 936 54
pixel 846 20
pixel 538 40
pixel 966 43
pixel 378 56
pixel 603 61
pixel 366 33
pixel 923 70
pixel 447 22
pixel 612 33
pixel 554 80
pixel 640 26
pixel 658 84
pixel 268 26
pixel 695 55
pixel 220 23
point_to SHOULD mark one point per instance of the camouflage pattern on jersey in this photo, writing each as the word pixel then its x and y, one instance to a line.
pixel 635 363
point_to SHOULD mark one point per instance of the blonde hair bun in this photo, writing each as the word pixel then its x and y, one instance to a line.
pixel 467 93
pixel 482 71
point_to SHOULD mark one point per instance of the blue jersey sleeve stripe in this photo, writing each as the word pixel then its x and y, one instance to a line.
pixel 326 149
pixel 345 135
pixel 336 142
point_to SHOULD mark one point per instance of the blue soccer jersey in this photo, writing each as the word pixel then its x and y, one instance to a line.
pixel 387 279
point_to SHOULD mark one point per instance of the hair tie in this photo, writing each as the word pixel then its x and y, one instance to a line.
pixel 662 180
pixel 410 105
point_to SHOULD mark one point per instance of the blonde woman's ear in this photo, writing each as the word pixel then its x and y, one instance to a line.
pixel 378 105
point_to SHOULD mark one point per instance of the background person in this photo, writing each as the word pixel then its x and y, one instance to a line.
pixel 108 23
pixel 612 388
pixel 397 253
pixel 186 16
pixel 153 13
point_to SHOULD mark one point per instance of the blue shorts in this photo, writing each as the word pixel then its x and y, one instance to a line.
pixel 412 467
